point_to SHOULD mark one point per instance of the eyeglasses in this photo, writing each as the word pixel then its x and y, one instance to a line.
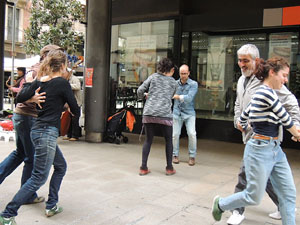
pixel 184 73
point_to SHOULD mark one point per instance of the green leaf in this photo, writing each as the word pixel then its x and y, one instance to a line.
pixel 59 16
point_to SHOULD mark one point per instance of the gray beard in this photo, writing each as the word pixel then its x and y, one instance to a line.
pixel 247 73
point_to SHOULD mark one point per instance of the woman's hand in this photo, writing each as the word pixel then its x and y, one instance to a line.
pixel 177 97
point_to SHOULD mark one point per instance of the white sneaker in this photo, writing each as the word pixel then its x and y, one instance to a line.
pixel 236 218
pixel 275 215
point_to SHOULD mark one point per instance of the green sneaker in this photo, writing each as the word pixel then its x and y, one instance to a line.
pixel 7 221
pixel 216 212
pixel 55 210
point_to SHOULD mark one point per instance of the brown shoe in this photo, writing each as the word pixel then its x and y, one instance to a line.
pixel 192 161
pixel 66 138
pixel 175 160
pixel 170 172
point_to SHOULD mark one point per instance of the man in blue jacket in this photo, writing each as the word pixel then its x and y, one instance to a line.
pixel 184 112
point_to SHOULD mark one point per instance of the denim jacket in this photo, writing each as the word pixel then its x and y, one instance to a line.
pixel 184 107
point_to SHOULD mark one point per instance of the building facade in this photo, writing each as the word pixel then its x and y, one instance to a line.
pixel 206 36
pixel 22 22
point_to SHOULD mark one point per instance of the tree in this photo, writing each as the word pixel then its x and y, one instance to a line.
pixel 51 22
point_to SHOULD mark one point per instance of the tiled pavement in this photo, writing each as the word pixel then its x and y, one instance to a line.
pixel 102 185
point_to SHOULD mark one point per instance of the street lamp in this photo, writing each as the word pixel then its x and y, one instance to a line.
pixel 13 46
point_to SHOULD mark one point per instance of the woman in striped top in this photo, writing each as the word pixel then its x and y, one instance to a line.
pixel 263 156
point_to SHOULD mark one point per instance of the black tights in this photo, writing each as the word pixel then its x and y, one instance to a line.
pixel 167 133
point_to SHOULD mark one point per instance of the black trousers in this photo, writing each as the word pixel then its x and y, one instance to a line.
pixel 150 131
pixel 242 183
pixel 74 129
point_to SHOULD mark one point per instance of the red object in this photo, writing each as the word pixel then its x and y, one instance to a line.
pixel 144 172
pixel 89 77
pixel 290 16
pixel 65 121
pixel 7 125
pixel 130 120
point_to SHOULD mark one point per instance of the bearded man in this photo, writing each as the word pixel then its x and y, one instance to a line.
pixel 246 87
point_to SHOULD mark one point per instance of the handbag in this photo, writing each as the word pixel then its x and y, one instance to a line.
pixel 65 121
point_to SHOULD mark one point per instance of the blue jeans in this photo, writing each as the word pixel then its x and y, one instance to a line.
pixel 47 154
pixel 23 153
pixel 191 131
pixel 264 159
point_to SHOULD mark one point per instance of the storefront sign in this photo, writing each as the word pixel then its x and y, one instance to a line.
pixel 89 72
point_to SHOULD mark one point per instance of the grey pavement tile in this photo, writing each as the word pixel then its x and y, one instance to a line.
pixel 102 185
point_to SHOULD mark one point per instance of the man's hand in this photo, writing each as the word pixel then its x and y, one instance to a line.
pixel 239 126
pixel 68 109
pixel 177 97
pixel 7 82
pixel 38 98
pixel 297 139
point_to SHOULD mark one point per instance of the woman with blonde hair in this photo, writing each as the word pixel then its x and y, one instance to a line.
pixel 44 134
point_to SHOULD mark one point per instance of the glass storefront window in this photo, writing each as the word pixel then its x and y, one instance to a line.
pixel 135 50
pixel 213 64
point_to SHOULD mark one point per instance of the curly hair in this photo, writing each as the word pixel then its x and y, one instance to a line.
pixel 263 67
pixel 165 65
pixel 52 63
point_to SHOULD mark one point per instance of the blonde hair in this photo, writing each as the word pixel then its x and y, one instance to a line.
pixel 52 63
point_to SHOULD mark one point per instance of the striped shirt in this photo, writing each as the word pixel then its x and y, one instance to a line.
pixel 265 113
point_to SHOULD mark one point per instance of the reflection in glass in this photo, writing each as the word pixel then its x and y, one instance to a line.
pixel 213 63
pixel 135 50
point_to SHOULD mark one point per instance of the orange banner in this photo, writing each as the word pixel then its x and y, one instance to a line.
pixel 290 16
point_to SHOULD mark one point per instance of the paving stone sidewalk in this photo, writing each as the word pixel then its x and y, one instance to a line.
pixel 102 185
